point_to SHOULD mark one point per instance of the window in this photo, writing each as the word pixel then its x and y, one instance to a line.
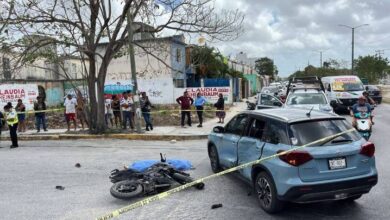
pixel 179 83
pixel 178 55
pixel 6 68
pixel 275 133
pixel 307 132
pixel 268 100
pixel 237 125
pixel 306 99
pixel 256 129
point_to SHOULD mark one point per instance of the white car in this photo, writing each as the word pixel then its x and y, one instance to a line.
pixel 314 99
pixel 309 99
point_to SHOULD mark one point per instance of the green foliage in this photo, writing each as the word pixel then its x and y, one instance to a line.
pixel 208 62
pixel 372 68
pixel 368 67
pixel 265 66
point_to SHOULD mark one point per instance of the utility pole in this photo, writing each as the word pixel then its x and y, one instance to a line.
pixel 136 104
pixel 321 59
pixel 379 53
pixel 353 43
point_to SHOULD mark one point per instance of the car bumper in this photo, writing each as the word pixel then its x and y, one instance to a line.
pixel 330 191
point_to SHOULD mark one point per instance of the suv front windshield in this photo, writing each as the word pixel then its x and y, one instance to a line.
pixel 306 99
pixel 309 131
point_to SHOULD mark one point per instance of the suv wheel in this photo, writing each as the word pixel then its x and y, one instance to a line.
pixel 214 159
pixel 266 193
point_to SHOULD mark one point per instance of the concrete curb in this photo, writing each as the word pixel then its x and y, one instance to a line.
pixel 143 137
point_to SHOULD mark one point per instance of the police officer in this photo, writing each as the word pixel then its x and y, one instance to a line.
pixel 11 117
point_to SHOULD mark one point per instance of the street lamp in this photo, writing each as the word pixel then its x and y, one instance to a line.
pixel 353 40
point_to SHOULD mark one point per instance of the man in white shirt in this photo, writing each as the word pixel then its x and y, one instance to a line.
pixel 70 110
pixel 126 105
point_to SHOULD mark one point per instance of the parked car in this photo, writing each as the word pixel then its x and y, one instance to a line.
pixel 309 99
pixel 342 168
pixel 299 98
pixel 375 93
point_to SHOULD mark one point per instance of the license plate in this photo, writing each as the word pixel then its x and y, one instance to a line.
pixel 337 163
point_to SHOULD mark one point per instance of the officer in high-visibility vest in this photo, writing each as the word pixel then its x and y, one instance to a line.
pixel 11 117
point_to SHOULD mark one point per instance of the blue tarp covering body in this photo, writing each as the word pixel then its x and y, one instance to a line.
pixel 142 165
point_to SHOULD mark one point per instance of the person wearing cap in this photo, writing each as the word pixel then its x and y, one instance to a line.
pixel 40 115
pixel 360 107
pixel 11 117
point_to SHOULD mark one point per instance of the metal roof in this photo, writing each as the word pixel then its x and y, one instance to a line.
pixel 291 115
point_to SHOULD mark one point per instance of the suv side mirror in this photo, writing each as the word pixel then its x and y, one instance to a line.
pixel 218 129
pixel 366 88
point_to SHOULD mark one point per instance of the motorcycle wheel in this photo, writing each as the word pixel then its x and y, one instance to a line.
pixel 126 189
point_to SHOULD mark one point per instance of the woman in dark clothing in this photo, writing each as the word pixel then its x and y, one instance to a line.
pixel 145 108
pixel 220 105
pixel 116 108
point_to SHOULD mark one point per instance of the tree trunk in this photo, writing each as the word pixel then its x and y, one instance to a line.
pixel 93 116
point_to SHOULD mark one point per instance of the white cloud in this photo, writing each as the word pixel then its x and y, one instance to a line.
pixel 290 31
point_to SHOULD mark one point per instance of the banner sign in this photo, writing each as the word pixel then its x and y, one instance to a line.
pixel 210 93
pixel 12 92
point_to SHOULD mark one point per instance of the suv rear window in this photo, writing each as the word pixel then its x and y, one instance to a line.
pixel 306 99
pixel 309 131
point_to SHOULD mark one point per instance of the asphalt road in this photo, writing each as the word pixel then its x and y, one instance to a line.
pixel 28 177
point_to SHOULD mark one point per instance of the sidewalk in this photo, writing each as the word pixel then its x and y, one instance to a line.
pixel 167 133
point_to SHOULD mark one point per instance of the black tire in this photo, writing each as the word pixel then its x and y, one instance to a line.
pixel 132 190
pixel 266 193
pixel 214 159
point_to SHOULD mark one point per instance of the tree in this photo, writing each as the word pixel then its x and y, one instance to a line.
pixel 208 62
pixel 372 68
pixel 265 67
pixel 78 27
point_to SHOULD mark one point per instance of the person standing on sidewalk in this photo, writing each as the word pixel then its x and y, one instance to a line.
pixel 40 117
pixel 116 108
pixel 220 105
pixel 185 103
pixel 11 116
pixel 80 110
pixel 126 104
pixel 70 111
pixel 199 105
pixel 108 112
pixel 21 109
pixel 145 108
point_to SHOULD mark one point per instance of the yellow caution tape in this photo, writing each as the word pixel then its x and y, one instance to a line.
pixel 41 111
pixel 160 196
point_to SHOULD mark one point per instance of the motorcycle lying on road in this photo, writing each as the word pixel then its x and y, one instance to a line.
pixel 160 177
pixel 363 125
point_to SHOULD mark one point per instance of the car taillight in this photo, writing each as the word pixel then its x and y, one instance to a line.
pixel 368 149
pixel 296 158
